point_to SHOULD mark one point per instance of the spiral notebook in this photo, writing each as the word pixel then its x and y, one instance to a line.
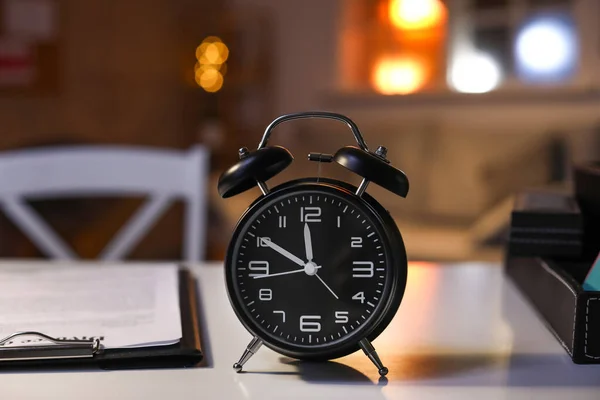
pixel 104 315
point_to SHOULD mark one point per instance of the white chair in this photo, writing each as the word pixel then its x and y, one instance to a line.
pixel 78 171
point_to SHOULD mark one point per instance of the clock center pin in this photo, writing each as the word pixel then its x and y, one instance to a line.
pixel 311 268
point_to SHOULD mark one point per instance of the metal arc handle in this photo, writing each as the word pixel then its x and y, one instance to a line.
pixel 314 114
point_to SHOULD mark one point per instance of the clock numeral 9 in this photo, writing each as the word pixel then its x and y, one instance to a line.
pixel 341 317
pixel 360 296
pixel 265 295
pixel 262 241
pixel 356 241
pixel 310 214
pixel 260 267
pixel 362 269
pixel 306 325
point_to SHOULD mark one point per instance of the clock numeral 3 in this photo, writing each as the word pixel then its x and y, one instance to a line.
pixel 265 295
pixel 259 267
pixel 310 214
pixel 341 317
pixel 362 269
pixel 356 241
pixel 308 323
pixel 360 296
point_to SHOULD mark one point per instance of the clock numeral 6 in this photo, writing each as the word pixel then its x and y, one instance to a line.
pixel 308 323
pixel 260 268
pixel 362 269
pixel 310 214
pixel 356 241
pixel 265 295
pixel 341 317
pixel 360 296
pixel 262 241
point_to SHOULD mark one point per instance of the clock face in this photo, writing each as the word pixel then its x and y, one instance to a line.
pixel 310 268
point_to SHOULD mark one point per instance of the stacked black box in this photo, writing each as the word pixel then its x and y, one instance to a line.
pixel 546 224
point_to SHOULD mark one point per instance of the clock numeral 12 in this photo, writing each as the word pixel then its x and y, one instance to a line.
pixel 362 269
pixel 310 214
pixel 282 221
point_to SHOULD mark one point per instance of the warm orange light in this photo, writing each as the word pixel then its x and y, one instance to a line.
pixel 210 68
pixel 212 52
pixel 399 75
pixel 416 14
pixel 203 67
pixel 209 79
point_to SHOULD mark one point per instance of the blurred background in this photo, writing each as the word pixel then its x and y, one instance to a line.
pixel 475 100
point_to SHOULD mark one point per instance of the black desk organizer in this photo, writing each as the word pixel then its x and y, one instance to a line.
pixel 572 314
pixel 553 282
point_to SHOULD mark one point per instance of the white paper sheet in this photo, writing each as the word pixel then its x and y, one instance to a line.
pixel 129 306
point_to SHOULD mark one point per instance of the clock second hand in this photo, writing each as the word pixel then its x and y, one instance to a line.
pixel 328 288
pixel 283 273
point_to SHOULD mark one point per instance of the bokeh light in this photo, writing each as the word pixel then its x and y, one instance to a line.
pixel 475 73
pixel 546 49
pixel 402 75
pixel 210 69
pixel 416 14
pixel 210 79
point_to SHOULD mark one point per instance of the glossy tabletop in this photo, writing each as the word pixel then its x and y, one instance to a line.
pixel 462 331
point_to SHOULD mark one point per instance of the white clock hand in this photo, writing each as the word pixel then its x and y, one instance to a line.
pixel 284 273
pixel 328 288
pixel 308 243
pixel 283 252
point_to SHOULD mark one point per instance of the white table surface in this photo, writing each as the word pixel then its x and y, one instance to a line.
pixel 462 332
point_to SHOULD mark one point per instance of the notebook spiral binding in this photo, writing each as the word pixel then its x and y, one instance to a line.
pixel 57 349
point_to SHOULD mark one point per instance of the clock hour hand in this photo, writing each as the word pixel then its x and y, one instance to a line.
pixel 283 252
pixel 308 243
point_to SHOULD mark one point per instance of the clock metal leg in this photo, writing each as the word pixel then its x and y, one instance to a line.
pixel 369 350
pixel 252 348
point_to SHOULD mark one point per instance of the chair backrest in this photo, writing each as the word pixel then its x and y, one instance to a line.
pixel 76 171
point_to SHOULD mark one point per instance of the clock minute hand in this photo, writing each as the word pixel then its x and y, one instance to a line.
pixel 308 243
pixel 283 252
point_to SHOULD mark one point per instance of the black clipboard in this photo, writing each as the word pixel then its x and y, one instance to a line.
pixel 76 354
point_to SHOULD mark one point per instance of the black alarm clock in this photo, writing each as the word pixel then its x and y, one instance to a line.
pixel 316 268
